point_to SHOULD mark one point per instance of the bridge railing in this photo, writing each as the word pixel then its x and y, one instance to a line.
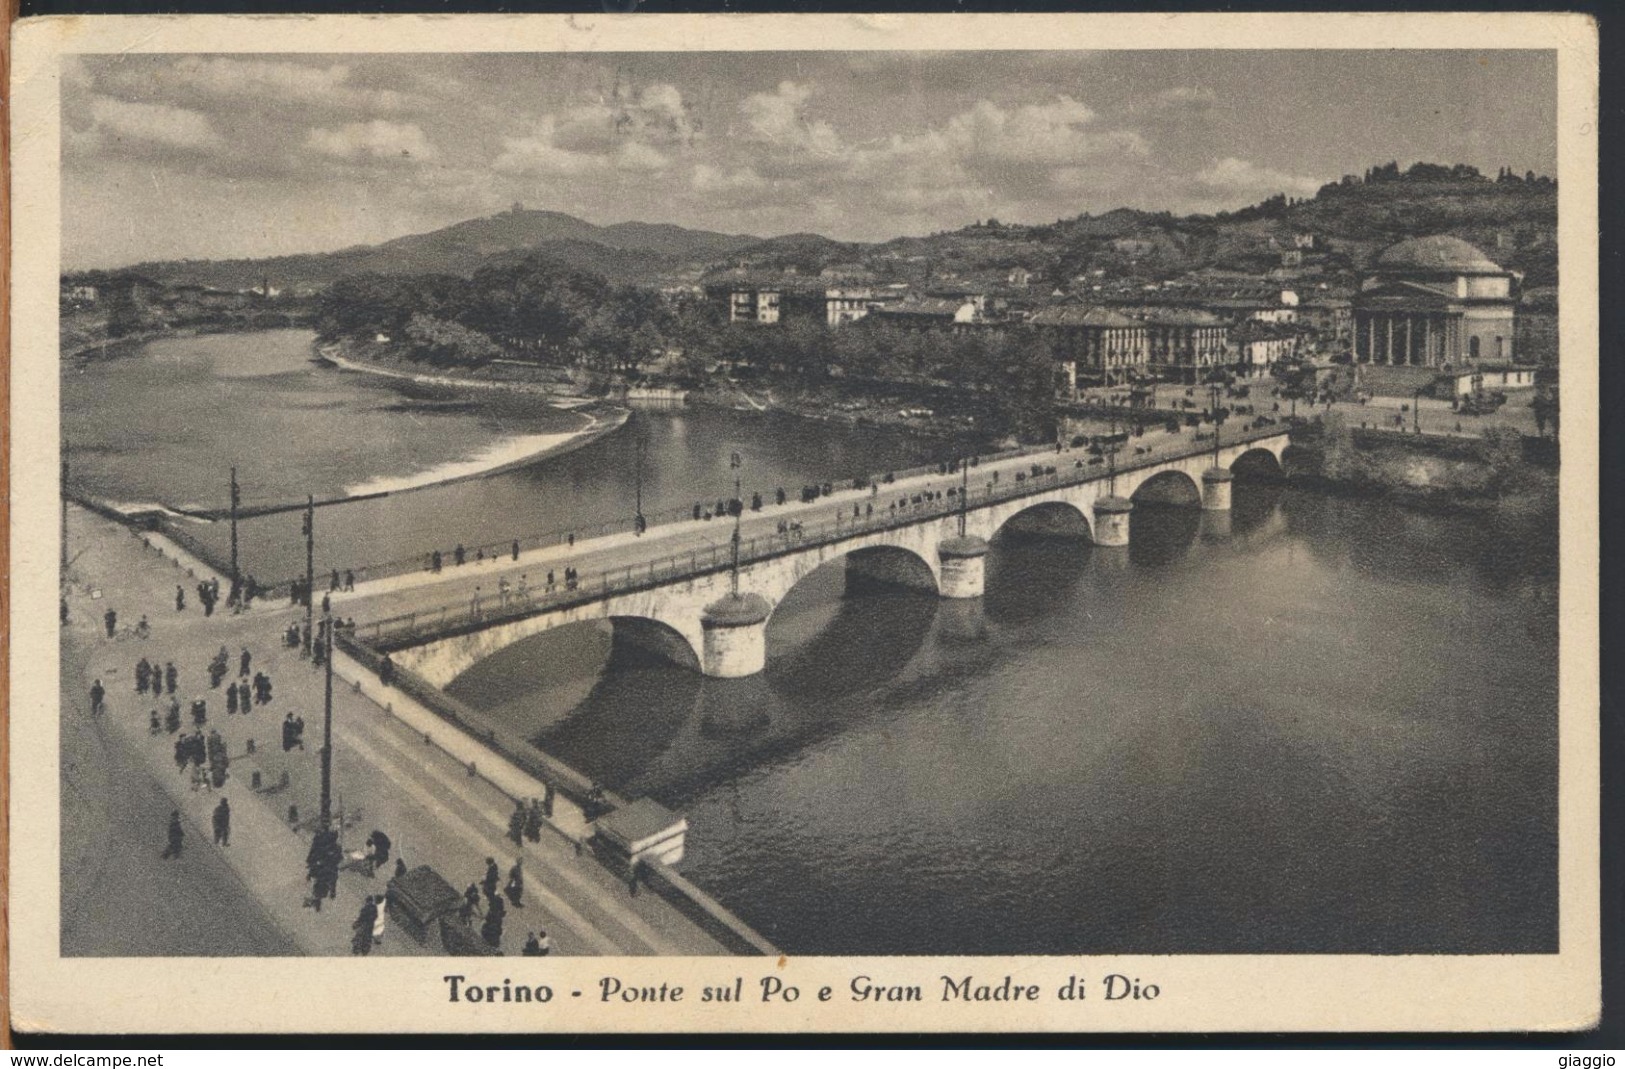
pixel 900 510
pixel 503 550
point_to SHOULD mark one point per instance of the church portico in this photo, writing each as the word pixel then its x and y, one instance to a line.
pixel 1434 302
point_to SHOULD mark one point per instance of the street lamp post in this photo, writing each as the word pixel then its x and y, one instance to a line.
pixel 327 724
pixel 236 499
pixel 64 496
pixel 964 493
pixel 310 568
pixel 738 508
pixel 1215 390
pixel 638 522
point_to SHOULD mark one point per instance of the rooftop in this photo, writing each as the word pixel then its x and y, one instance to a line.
pixel 1437 253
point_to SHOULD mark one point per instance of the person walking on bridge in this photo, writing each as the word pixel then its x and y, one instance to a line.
pixel 361 942
pixel 177 836
pixel 493 877
pixel 222 823
pixel 515 889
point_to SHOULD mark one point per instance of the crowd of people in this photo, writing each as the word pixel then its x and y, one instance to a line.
pixel 203 757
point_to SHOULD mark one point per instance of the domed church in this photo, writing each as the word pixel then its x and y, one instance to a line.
pixel 1435 302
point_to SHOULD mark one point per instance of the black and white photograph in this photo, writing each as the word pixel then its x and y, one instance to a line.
pixel 727 495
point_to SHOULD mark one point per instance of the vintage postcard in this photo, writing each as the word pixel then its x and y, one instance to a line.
pixel 804 523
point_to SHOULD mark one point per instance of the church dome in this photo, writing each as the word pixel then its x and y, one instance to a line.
pixel 1439 253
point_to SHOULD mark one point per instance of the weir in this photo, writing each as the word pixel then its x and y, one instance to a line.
pixel 938 540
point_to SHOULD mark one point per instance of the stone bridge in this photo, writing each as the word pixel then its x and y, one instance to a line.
pixel 716 619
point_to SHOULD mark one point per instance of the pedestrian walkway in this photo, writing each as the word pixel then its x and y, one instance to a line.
pixel 386 773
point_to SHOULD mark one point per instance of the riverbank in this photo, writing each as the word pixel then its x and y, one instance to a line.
pixel 1501 471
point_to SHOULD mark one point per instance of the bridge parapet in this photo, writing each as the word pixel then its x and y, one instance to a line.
pixel 949 532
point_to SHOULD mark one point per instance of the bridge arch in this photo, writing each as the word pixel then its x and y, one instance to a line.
pixel 1054 519
pixel 656 638
pixel 1168 487
pixel 1262 463
pixel 865 567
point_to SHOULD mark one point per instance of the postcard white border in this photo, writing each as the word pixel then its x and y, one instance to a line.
pixel 1205 993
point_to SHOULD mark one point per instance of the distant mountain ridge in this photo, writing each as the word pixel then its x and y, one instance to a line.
pixel 625 252
pixel 1344 225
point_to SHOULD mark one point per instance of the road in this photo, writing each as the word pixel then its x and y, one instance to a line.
pixel 457 587
pixel 385 776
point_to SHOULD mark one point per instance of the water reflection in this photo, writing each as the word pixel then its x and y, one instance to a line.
pixel 1297 737
pixel 1161 535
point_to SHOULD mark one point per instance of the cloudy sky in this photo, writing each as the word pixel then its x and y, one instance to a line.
pixel 216 156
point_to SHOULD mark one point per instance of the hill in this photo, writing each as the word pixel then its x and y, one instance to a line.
pixel 462 248
pixel 1338 231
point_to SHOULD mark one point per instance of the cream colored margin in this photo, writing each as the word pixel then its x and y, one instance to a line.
pixel 369 994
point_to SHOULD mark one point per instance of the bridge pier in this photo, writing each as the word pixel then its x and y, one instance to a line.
pixel 1112 521
pixel 963 566
pixel 735 628
pixel 1216 485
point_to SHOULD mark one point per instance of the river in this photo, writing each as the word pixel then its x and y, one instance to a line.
pixel 1317 725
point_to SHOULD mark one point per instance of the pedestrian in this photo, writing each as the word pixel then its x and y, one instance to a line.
pixel 349 579
pixel 492 877
pixel 183 753
pixel 242 697
pixel 491 930
pixel 180 599
pixel 434 561
pixel 532 947
pixel 177 836
pixel 333 585
pixel 143 673
pixel 516 549
pixel 142 628
pixel 200 712
pixel 243 663
pixel 362 942
pixel 231 699
pixel 170 675
pixel 172 718
pixel 287 733
pixel 400 867
pixel 111 620
pixel 97 692
pixel 515 890
pixel 299 733
pixel 516 824
pixel 386 671
pixel 153 726
pixel 471 904
pixel 533 821
pixel 327 602
pixel 222 823
pixel 377 851
pixel 459 554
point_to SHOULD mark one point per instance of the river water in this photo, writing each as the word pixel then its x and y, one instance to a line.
pixel 1317 725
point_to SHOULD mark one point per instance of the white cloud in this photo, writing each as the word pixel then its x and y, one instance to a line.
pixel 779 119
pixel 277 81
pixel 1183 100
pixel 712 181
pixel 1232 175
pixel 378 139
pixel 628 133
pixel 156 123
